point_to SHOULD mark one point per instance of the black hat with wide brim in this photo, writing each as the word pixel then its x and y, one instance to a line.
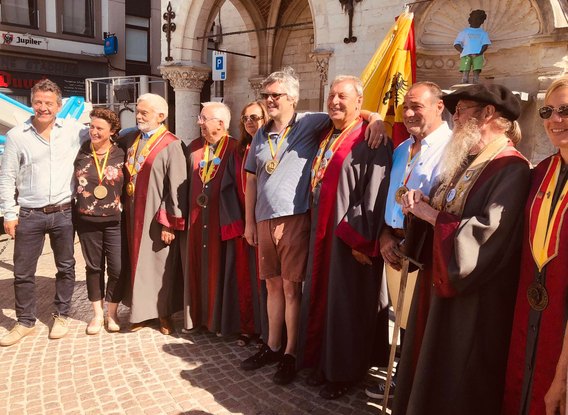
pixel 497 95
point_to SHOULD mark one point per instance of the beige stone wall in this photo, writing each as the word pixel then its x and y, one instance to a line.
pixel 530 45
pixel 239 68
pixel 296 54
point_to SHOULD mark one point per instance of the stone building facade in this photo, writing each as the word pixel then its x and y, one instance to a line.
pixel 529 49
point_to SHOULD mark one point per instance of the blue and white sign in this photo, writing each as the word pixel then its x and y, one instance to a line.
pixel 219 66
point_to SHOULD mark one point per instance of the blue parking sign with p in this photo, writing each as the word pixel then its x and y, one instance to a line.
pixel 219 63
pixel 219 66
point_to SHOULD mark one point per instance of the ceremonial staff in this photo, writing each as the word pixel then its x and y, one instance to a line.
pixel 411 247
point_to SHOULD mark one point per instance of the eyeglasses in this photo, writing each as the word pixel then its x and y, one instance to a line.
pixel 462 109
pixel 203 119
pixel 274 95
pixel 252 117
pixel 546 111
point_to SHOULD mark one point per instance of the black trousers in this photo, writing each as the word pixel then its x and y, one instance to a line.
pixel 101 242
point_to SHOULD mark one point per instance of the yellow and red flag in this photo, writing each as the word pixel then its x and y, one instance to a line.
pixel 390 73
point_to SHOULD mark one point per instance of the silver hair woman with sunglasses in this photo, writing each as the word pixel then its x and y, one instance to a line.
pixel 538 355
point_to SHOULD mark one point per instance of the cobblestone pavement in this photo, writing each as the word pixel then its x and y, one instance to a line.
pixel 138 373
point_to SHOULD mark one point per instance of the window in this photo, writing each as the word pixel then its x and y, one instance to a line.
pixel 137 39
pixel 19 12
pixel 78 17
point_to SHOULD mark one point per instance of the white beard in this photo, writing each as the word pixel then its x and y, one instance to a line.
pixel 455 157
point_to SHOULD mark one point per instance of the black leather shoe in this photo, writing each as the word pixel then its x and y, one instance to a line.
pixel 264 356
pixel 286 370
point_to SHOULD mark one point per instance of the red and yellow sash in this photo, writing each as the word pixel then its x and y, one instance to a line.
pixel 207 171
pixel 544 234
pixel 319 168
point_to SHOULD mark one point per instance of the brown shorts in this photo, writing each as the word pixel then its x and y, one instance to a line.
pixel 283 245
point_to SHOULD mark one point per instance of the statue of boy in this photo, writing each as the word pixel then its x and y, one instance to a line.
pixel 472 42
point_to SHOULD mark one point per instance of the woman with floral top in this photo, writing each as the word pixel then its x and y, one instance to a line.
pixel 98 207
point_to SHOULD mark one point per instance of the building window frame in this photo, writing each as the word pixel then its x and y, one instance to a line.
pixel 35 26
pixel 130 24
pixel 94 28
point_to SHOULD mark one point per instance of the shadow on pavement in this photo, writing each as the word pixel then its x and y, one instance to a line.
pixel 45 293
pixel 214 368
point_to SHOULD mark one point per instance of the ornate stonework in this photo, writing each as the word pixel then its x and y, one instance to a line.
pixel 321 58
pixel 185 77
pixel 507 20
pixel 255 85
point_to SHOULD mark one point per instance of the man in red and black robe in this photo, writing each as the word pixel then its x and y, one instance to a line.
pixel 340 298
pixel 219 266
pixel 455 350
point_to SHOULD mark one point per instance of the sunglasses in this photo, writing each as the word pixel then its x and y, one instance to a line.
pixel 546 111
pixel 460 110
pixel 274 95
pixel 252 117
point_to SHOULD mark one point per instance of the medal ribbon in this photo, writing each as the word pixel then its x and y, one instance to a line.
pixel 316 166
pixel 148 147
pixel 543 231
pixel 208 172
pixel 281 140
pixel 100 170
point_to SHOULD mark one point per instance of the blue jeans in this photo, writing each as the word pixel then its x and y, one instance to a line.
pixel 32 227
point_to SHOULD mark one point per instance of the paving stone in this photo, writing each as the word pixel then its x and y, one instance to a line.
pixel 139 373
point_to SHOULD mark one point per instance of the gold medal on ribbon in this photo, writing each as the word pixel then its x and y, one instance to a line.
pixel 100 192
pixel 270 166
pixel 130 188
pixel 401 191
pixel 537 296
pixel 202 200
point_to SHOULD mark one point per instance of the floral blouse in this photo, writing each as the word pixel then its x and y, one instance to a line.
pixel 87 206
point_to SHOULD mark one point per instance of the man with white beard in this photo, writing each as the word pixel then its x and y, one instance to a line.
pixel 455 351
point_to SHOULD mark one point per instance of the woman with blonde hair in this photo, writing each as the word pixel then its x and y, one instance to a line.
pixel 538 354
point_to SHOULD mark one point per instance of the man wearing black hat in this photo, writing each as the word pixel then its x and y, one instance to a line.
pixel 455 350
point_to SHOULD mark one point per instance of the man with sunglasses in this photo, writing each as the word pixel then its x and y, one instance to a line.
pixel 455 350
pixel 277 213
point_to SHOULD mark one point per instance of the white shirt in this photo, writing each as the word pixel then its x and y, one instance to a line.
pixel 423 170
pixel 41 171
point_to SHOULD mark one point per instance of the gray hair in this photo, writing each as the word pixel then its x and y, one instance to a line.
pixel 221 111
pixel 157 103
pixel 288 79
pixel 349 78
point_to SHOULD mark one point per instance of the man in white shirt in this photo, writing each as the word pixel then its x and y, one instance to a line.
pixel 416 165
pixel 37 166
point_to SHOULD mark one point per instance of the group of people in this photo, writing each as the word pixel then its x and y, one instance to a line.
pixel 282 235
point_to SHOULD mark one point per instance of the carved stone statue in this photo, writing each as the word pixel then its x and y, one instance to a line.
pixel 472 42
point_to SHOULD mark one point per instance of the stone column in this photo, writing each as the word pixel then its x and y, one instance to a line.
pixel 255 84
pixel 187 82
pixel 321 59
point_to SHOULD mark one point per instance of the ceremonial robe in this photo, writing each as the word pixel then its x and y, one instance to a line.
pixel 219 266
pixel 456 344
pixel 159 199
pixel 340 298
pixel 548 333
